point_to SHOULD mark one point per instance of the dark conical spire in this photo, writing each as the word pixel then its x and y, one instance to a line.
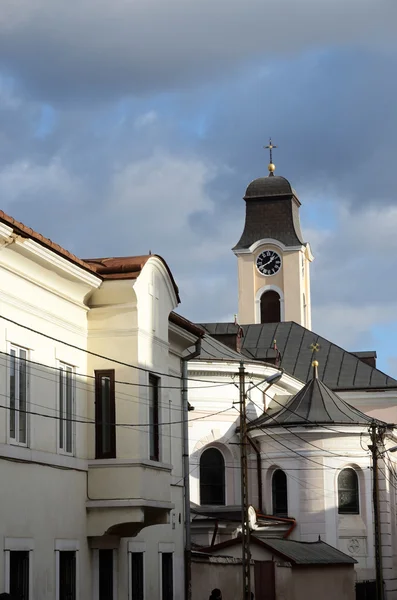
pixel 315 404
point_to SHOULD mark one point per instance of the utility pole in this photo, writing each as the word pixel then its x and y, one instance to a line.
pixel 375 498
pixel 245 532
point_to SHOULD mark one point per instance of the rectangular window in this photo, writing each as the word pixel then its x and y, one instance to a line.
pixel 154 437
pixel 18 395
pixel 137 576
pixel 105 415
pixel 67 575
pixel 167 576
pixel 105 575
pixel 66 407
pixel 19 574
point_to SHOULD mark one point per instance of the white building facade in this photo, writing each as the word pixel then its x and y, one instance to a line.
pixel 310 466
pixel 91 466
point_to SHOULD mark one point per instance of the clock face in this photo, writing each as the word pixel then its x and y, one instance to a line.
pixel 268 262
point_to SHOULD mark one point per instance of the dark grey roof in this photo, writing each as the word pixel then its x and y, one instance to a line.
pixel 308 553
pixel 314 404
pixel 212 349
pixel 339 369
pixel 272 211
pixel 273 185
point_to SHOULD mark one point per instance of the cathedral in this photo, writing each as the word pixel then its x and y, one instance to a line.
pixel 310 465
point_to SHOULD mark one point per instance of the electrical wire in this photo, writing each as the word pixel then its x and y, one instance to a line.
pixel 129 383
pixel 101 356
pixel 95 422
pixel 302 439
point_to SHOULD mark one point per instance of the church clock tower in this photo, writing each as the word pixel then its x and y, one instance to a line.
pixel 273 260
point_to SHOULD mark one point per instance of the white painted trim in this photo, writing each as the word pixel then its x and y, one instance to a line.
pixel 12 441
pixel 43 286
pixel 129 503
pixel 166 547
pixel 7 571
pixel 57 423
pixel 95 572
pixel 269 241
pixel 18 544
pixel 158 264
pixel 5 231
pixel 260 292
pixel 63 545
pixel 61 263
pixel 136 547
pixel 44 458
pixel 115 573
pixel 44 314
pixel 129 462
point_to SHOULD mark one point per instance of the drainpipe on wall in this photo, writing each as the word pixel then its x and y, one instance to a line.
pixel 186 480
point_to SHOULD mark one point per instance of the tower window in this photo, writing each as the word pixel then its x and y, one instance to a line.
pixel 348 497
pixel 270 307
pixel 279 493
pixel 212 477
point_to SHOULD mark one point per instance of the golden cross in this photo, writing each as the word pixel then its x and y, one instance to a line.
pixel 315 347
pixel 270 148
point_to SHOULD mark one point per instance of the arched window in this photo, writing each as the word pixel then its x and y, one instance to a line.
pixel 212 477
pixel 279 493
pixel 270 307
pixel 348 500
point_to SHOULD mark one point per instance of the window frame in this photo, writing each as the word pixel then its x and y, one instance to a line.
pixel 141 554
pixel 99 451
pixel 154 425
pixel 18 545
pixel 169 549
pixel 66 545
pixel 356 509
pixel 63 418
pixel 276 512
pixel 15 440
pixel 209 485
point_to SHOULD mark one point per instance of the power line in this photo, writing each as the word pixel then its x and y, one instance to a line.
pixel 93 422
pixel 130 383
pixel 97 355
pixel 86 387
pixel 301 438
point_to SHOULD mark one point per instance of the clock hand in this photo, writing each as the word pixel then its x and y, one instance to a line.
pixel 267 263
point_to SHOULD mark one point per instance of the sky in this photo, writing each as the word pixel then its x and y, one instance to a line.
pixel 136 125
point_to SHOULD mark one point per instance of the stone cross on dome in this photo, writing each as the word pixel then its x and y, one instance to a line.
pixel 271 166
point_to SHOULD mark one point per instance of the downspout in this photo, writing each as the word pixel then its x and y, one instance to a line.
pixel 186 480
pixel 258 472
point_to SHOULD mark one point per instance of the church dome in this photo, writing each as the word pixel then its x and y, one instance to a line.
pixel 273 185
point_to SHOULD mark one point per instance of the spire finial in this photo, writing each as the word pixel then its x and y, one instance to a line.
pixel 315 347
pixel 271 167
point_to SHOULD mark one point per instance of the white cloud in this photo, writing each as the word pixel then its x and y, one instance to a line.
pixel 25 180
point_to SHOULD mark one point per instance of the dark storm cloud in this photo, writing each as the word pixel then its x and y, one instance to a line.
pixel 332 115
pixel 97 49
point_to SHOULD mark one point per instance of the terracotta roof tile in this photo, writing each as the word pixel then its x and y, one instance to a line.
pixel 126 267
pixel 28 232
pixel 123 267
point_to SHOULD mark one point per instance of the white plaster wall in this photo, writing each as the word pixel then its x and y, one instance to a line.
pixel 44 496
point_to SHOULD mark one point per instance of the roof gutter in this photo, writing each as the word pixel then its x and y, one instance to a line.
pixel 186 480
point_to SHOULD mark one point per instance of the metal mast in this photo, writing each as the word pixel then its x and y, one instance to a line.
pixel 245 532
